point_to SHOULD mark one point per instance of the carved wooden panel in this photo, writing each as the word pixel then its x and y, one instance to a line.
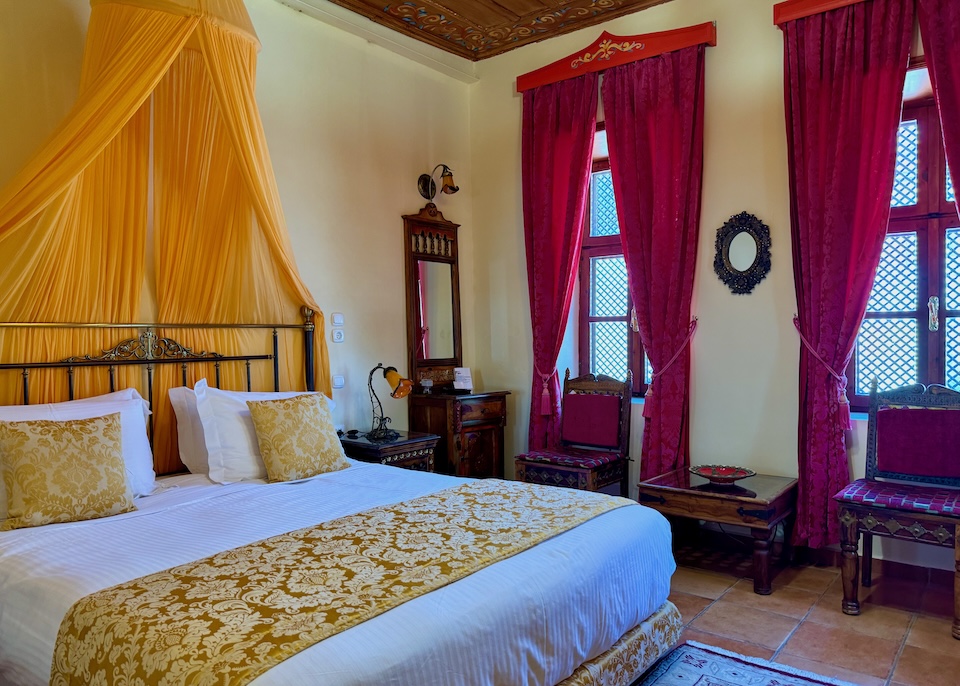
pixel 477 29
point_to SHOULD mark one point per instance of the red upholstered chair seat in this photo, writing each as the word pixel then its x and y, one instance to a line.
pixel 907 497
pixel 594 437
pixel 571 457
pixel 912 487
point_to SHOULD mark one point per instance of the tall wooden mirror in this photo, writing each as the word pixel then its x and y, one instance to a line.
pixel 433 296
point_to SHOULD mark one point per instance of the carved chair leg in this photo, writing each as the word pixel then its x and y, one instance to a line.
pixel 849 562
pixel 867 563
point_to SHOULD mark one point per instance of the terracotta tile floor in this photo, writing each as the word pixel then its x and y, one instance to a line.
pixel 899 639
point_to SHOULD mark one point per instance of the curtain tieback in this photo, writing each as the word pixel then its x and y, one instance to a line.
pixel 842 401
pixel 545 405
pixel 648 408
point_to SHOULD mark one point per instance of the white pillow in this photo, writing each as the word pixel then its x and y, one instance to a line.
pixel 133 409
pixel 229 436
pixel 193 451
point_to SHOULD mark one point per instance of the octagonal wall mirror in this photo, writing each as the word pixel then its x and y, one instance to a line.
pixel 433 296
pixel 743 252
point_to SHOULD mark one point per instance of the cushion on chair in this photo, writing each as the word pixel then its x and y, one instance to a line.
pixel 571 457
pixel 591 419
pixel 919 442
pixel 926 499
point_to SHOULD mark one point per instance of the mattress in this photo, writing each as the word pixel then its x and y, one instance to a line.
pixel 530 619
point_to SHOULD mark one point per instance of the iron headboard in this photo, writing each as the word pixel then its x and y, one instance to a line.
pixel 148 349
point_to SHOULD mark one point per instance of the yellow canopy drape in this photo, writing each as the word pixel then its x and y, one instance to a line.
pixel 73 222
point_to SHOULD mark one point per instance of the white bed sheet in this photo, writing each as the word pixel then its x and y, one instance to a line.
pixel 530 619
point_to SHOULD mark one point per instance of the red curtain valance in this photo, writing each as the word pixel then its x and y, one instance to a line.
pixel 612 51
pixel 798 9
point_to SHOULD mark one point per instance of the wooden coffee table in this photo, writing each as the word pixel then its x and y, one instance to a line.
pixel 760 502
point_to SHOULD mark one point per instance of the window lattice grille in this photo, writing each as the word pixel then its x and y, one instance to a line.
pixel 896 284
pixel 953 352
pixel 951 192
pixel 608 347
pixel 952 277
pixel 906 184
pixel 603 207
pixel 609 285
pixel 887 351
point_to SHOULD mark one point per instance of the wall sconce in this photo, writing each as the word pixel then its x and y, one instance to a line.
pixel 428 187
pixel 400 388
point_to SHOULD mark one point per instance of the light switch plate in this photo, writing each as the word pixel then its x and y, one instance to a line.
pixel 336 335
pixel 338 381
pixel 336 319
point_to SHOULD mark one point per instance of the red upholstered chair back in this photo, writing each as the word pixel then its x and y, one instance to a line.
pixel 596 412
pixel 914 435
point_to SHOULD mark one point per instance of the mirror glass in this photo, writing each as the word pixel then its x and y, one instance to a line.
pixel 435 297
pixel 743 251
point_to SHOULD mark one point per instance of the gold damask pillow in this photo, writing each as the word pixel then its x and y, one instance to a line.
pixel 62 471
pixel 296 437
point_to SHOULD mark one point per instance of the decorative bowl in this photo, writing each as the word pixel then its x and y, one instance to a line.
pixel 721 473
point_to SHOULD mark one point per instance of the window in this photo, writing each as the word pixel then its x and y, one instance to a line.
pixel 911 331
pixel 608 343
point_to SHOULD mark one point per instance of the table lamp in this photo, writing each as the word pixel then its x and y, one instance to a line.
pixel 400 388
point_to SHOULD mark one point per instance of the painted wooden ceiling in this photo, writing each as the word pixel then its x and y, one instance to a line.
pixel 477 29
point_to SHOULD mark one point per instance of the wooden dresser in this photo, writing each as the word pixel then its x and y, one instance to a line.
pixel 470 429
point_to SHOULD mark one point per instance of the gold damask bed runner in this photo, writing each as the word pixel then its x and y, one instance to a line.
pixel 230 617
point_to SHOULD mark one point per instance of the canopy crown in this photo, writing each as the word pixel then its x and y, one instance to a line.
pixel 228 14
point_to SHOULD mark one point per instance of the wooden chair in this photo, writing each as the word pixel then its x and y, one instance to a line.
pixel 594 437
pixel 913 438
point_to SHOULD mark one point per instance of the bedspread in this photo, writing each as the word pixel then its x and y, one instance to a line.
pixel 232 616
pixel 529 619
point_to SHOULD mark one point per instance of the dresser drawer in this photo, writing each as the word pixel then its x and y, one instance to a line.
pixel 477 409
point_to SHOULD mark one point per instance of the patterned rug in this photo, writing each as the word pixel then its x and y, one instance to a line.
pixel 695 664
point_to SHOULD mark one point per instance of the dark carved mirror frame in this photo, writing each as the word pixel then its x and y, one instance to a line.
pixel 429 237
pixel 742 282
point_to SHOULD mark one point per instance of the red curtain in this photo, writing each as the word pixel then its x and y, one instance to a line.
pixel 940 29
pixel 844 72
pixel 654 117
pixel 559 121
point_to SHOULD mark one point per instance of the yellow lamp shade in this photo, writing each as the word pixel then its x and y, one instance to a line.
pixel 447 184
pixel 401 386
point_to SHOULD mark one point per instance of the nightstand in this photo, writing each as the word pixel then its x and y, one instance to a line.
pixel 410 451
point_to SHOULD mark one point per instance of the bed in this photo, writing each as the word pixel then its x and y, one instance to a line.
pixel 586 606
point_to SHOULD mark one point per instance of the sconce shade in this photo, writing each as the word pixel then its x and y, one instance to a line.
pixel 446 179
pixel 428 187
pixel 401 386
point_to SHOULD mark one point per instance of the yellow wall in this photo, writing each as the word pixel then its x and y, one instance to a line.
pixel 745 351
pixel 350 127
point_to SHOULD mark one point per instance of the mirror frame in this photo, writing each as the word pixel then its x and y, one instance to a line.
pixel 742 282
pixel 430 237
